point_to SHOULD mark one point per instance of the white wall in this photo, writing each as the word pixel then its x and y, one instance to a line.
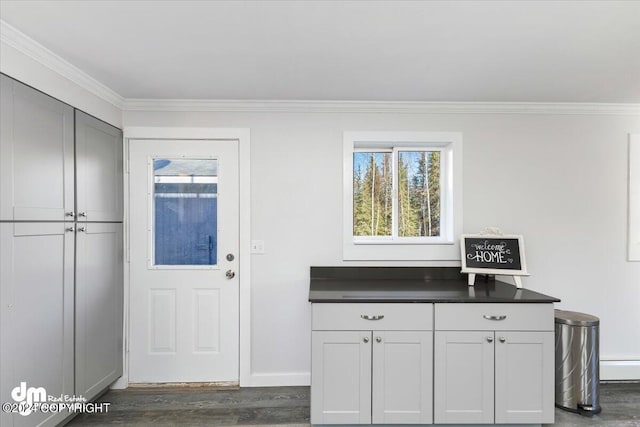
pixel 560 180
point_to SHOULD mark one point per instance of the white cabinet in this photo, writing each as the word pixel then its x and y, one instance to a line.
pixel 36 155
pixel 44 250
pixel 98 169
pixel 36 324
pixel 524 377
pixel 442 363
pixel 463 377
pixel 341 377
pixel 98 307
pixel 379 373
pixel 502 374
pixel 38 167
pixel 402 377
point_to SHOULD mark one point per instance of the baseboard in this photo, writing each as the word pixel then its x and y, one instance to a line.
pixel 619 370
pixel 121 383
pixel 277 379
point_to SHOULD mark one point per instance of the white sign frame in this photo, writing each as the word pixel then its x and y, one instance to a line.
pixel 472 271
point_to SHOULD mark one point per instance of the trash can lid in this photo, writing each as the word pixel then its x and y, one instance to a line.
pixel 575 319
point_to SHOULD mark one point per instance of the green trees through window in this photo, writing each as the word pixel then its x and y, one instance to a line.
pixel 416 201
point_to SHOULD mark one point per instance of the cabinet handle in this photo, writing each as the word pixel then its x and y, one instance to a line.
pixel 69 229
pixel 503 339
pixel 71 214
pixel 378 339
pixel 489 339
pixel 365 340
pixel 370 317
pixel 83 214
pixel 489 317
pixel 81 229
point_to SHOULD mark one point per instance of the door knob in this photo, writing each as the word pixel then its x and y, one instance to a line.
pixel 489 339
pixel 503 339
pixel 365 340
pixel 230 274
pixel 378 339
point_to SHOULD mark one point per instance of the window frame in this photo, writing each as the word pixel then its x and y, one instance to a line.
pixel 394 247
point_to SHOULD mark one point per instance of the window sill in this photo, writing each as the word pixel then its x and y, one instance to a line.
pixel 407 241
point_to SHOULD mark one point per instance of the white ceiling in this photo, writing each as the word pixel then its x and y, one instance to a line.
pixel 486 51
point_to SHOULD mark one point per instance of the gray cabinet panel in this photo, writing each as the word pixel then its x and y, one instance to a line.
pixel 99 298
pixel 402 377
pixel 341 377
pixel 36 325
pixel 36 155
pixel 98 170
pixel 524 377
pixel 463 377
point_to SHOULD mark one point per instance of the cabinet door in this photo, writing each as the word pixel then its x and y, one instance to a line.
pixel 36 155
pixel 463 377
pixel 36 324
pixel 402 377
pixel 341 377
pixel 524 377
pixel 99 170
pixel 99 297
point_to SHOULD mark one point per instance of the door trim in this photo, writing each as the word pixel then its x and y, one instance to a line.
pixel 242 135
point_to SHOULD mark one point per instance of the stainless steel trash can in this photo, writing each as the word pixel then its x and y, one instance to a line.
pixel 577 362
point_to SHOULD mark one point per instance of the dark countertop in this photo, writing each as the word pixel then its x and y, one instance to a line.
pixel 412 284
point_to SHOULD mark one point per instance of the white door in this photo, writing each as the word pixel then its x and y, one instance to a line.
pixel 184 230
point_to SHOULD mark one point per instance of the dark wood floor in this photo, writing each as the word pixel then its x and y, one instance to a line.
pixel 290 406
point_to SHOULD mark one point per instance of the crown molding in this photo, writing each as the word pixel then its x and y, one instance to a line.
pixel 379 107
pixel 23 43
pixel 26 45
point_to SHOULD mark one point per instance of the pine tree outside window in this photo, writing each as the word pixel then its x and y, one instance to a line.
pixel 399 190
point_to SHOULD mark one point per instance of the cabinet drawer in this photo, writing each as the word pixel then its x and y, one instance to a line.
pixel 362 316
pixel 488 317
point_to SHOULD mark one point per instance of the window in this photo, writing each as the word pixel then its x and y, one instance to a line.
pixel 185 212
pixel 402 195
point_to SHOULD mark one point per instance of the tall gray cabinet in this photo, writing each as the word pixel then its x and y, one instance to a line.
pixel 61 252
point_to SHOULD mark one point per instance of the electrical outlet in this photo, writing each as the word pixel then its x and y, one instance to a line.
pixel 257 246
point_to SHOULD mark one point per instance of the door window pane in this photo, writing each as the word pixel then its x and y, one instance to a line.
pixel 372 194
pixel 185 211
pixel 418 193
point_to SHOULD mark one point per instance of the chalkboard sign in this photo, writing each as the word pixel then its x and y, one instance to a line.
pixel 493 254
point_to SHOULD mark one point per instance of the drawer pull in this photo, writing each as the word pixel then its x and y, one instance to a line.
pixel 369 317
pixel 488 317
